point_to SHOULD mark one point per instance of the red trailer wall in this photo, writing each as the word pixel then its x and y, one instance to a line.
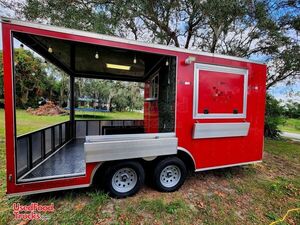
pixel 218 152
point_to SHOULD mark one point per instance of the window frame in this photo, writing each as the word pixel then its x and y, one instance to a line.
pixel 216 68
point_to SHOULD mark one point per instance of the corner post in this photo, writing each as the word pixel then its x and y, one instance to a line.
pixel 72 93
pixel 10 131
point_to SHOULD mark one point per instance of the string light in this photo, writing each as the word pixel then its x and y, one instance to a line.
pixel 167 62
pixel 97 55
pixel 50 50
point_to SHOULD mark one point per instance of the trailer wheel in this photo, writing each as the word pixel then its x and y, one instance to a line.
pixel 169 174
pixel 124 179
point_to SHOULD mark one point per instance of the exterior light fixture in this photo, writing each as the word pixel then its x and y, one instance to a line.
pixel 117 67
pixel 167 62
pixel 190 59
pixel 50 50
pixel 134 60
pixel 97 55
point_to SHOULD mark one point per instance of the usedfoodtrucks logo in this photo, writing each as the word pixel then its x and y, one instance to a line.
pixel 34 211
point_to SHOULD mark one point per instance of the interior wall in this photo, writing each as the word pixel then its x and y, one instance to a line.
pixel 167 93
pixel 159 114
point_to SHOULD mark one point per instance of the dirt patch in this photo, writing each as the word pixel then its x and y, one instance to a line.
pixel 48 109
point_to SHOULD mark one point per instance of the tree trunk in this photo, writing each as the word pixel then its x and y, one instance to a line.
pixel 108 104
pixel 24 97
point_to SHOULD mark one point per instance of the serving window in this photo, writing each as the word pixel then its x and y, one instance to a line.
pixel 220 92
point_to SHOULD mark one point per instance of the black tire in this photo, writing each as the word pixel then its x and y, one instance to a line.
pixel 174 162
pixel 113 171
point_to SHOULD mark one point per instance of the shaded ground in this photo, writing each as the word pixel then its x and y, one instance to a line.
pixel 254 194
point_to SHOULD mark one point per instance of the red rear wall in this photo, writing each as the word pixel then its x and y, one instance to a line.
pixel 221 151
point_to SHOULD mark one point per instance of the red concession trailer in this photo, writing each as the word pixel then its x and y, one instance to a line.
pixel 202 111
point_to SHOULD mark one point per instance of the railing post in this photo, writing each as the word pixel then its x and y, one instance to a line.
pixel 52 139
pixel 43 148
pixel 29 152
pixel 72 91
pixel 60 134
pixel 86 127
pixel 72 107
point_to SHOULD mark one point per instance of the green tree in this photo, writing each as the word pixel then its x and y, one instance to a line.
pixel 35 79
pixel 30 78
pixel 127 97
pixel 292 109
pixel 57 85
pixel 118 95
pixel 240 28
pixel 273 117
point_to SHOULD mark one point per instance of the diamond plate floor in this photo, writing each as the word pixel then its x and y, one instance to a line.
pixel 68 161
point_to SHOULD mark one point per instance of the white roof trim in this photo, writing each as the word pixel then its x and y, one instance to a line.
pixel 121 40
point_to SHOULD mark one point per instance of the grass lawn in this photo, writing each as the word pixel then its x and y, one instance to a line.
pixel 253 194
pixel 291 125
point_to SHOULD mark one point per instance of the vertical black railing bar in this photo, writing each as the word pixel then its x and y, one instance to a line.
pixel 99 127
pixel 86 127
pixel 40 148
pixel 73 130
pixel 43 153
pixel 60 134
pixel 29 152
pixel 52 139
pixel 67 131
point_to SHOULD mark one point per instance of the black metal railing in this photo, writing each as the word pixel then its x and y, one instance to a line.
pixel 34 147
pixel 99 127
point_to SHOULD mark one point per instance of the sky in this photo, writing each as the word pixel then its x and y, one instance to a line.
pixel 281 91
pixel 6 13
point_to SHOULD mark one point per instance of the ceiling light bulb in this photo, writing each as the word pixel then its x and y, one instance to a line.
pixel 50 50
pixel 134 60
pixel 167 62
pixel 96 55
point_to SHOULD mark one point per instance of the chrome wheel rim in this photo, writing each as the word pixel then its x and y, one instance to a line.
pixel 124 180
pixel 170 176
